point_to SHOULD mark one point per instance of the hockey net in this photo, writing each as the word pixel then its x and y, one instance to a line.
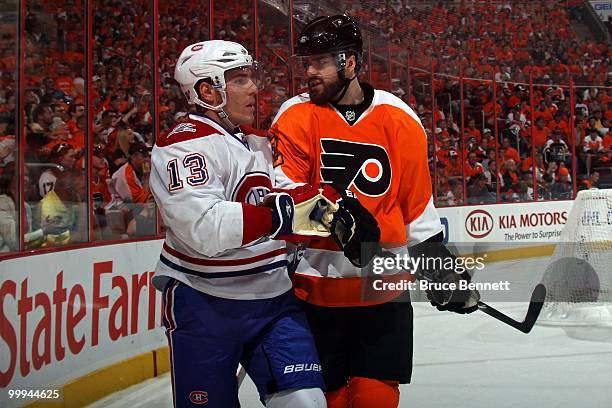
pixel 579 277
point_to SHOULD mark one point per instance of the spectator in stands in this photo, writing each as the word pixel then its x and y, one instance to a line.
pixel 131 181
pixel 478 192
pixel 593 147
pixel 120 152
pixel 454 164
pixel 144 222
pixel 510 176
pixel 62 208
pixel 590 183
pixel 7 144
pixel 492 176
pixel 544 112
pixel 37 129
pixel 559 123
pixel 62 158
pixel 561 189
pixel 76 112
pixel 472 131
pixel 516 117
pixel 540 133
pixel 455 195
pixel 550 176
pixel 556 149
pixel 510 152
pixel 106 131
pixel 472 166
pixel 598 120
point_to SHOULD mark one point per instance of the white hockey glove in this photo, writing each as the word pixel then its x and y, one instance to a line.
pixel 302 212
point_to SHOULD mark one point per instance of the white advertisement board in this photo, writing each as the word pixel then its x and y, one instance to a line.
pixel 65 314
pixel 602 8
pixel 528 223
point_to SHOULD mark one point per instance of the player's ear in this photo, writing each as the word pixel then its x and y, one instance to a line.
pixel 208 94
pixel 351 65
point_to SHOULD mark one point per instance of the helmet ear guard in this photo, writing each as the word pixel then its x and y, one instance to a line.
pixel 341 58
pixel 198 100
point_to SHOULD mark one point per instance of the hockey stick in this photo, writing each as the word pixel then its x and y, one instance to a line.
pixel 535 306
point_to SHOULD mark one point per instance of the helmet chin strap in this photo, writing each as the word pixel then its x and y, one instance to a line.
pixel 345 86
pixel 226 120
pixel 218 109
pixel 346 82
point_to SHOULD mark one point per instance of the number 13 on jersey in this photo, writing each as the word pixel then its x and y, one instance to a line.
pixel 197 167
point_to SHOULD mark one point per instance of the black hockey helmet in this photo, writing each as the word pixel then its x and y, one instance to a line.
pixel 331 34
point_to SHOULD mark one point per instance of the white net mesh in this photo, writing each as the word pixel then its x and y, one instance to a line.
pixel 579 278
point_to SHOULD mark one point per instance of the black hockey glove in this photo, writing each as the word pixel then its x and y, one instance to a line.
pixel 440 278
pixel 352 226
pixel 460 301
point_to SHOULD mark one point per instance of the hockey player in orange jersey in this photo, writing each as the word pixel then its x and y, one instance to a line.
pixel 370 145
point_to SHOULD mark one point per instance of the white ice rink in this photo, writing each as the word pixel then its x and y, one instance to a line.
pixel 469 361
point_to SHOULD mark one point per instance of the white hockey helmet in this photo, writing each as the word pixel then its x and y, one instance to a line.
pixel 209 59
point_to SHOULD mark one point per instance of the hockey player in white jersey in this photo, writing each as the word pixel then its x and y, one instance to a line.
pixel 223 266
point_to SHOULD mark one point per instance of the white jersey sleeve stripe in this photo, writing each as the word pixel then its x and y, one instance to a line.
pixel 425 225
pixel 386 98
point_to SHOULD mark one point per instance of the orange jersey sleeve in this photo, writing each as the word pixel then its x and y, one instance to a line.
pixel 291 145
pixel 415 194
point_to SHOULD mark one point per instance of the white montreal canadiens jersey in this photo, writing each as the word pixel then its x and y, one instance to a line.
pixel 205 182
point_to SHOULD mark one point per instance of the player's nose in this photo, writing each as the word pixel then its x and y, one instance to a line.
pixel 311 71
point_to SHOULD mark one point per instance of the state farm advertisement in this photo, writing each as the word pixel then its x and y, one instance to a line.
pixel 520 223
pixel 65 314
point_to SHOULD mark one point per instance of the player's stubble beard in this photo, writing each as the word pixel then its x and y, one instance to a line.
pixel 329 90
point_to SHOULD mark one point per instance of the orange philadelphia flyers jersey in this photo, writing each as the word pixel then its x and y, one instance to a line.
pixel 382 158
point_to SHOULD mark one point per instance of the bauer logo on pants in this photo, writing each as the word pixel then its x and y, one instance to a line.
pixel 365 166
pixel 297 368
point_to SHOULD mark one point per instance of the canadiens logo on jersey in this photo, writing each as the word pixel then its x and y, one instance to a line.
pixel 252 188
pixel 364 166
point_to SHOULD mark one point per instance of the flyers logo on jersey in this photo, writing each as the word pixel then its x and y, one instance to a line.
pixel 361 165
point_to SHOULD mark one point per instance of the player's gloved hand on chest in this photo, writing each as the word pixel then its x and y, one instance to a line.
pixel 355 230
pixel 301 213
